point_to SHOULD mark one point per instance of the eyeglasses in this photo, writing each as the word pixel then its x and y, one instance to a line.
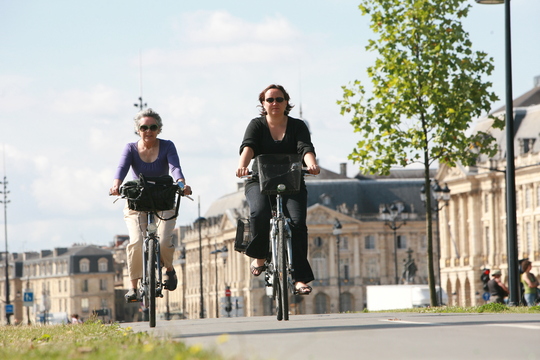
pixel 146 127
pixel 278 99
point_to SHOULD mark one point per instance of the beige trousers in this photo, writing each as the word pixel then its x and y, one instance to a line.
pixel 136 222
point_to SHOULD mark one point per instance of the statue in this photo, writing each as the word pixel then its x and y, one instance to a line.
pixel 409 269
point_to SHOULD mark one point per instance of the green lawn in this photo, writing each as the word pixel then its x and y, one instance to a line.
pixel 91 340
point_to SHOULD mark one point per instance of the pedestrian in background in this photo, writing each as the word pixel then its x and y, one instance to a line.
pixel 497 290
pixel 530 284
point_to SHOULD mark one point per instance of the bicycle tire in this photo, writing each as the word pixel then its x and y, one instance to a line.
pixel 282 271
pixel 151 266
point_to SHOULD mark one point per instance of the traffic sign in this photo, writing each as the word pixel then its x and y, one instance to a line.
pixel 227 292
pixel 485 296
pixel 9 309
pixel 28 298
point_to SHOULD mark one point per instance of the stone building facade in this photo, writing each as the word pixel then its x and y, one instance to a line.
pixel 77 280
pixel 473 225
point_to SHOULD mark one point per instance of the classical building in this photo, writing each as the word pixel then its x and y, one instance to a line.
pixel 64 281
pixel 473 225
pixel 369 250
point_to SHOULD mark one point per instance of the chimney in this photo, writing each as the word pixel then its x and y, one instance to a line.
pixel 60 251
pixel 45 253
pixel 343 169
pixel 537 81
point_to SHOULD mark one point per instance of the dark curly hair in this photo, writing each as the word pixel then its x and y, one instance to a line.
pixel 285 95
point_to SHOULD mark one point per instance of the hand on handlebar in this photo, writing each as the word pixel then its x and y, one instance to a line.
pixel 313 169
pixel 242 171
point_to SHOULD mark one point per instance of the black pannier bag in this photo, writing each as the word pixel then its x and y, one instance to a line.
pixel 276 169
pixel 243 235
pixel 150 193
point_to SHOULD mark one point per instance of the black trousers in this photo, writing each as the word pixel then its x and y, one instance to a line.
pixel 295 208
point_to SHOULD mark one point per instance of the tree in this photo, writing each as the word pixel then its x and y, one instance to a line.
pixel 426 88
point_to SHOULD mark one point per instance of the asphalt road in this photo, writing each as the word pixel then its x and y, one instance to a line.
pixel 361 336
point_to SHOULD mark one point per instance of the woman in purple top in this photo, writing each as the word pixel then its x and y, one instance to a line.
pixel 149 156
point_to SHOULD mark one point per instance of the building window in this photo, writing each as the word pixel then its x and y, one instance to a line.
pixel 320 267
pixel 538 234
pixel 318 241
pixel 538 196
pixel 85 305
pixel 528 235
pixel 103 265
pixel 401 242
pixel 84 287
pixel 346 275
pixel 84 265
pixel 103 303
pixel 486 203
pixel 343 243
pixel 423 241
pixel 528 198
pixel 372 268
pixel 370 242
pixel 103 284
pixel 486 236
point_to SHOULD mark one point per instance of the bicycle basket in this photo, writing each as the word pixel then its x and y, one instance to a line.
pixel 276 169
pixel 150 193
pixel 243 235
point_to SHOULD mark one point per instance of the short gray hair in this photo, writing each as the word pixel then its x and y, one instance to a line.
pixel 147 113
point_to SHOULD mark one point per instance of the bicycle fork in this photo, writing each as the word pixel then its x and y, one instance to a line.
pixel 151 230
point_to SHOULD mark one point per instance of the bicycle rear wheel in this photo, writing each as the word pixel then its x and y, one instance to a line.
pixel 151 271
pixel 282 272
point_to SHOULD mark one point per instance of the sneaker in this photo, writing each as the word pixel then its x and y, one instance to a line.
pixel 171 281
pixel 131 296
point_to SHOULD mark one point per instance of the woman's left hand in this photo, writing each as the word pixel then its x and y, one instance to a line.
pixel 314 169
pixel 187 190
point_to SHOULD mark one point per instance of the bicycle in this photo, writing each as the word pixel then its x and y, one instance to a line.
pixel 151 284
pixel 279 175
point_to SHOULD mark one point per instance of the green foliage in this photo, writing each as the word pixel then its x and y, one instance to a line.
pixel 426 88
pixel 91 340
pixel 486 308
pixel 492 307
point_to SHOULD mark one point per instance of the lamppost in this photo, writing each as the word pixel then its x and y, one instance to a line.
pixel 511 222
pixel 392 216
pixel 337 231
pixel 182 261
pixel 199 222
pixel 6 254
pixel 224 252
pixel 444 195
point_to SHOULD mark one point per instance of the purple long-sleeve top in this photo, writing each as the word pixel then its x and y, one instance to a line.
pixel 166 161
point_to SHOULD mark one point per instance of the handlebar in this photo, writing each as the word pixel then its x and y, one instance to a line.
pixel 305 173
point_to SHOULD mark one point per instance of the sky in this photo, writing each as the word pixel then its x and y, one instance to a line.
pixel 71 72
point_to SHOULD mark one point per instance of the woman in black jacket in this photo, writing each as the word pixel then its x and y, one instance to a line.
pixel 275 132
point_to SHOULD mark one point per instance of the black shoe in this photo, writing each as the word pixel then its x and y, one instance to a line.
pixel 131 296
pixel 171 281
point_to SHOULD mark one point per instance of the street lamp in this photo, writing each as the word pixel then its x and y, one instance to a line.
pixel 6 254
pixel 392 216
pixel 182 261
pixel 337 231
pixel 224 252
pixel 199 222
pixel 511 222
pixel 444 195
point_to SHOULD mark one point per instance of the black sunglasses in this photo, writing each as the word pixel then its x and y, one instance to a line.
pixel 278 99
pixel 146 127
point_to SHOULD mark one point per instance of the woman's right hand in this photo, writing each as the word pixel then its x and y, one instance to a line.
pixel 242 171
pixel 114 190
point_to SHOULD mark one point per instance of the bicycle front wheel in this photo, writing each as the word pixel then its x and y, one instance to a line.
pixel 282 272
pixel 151 267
